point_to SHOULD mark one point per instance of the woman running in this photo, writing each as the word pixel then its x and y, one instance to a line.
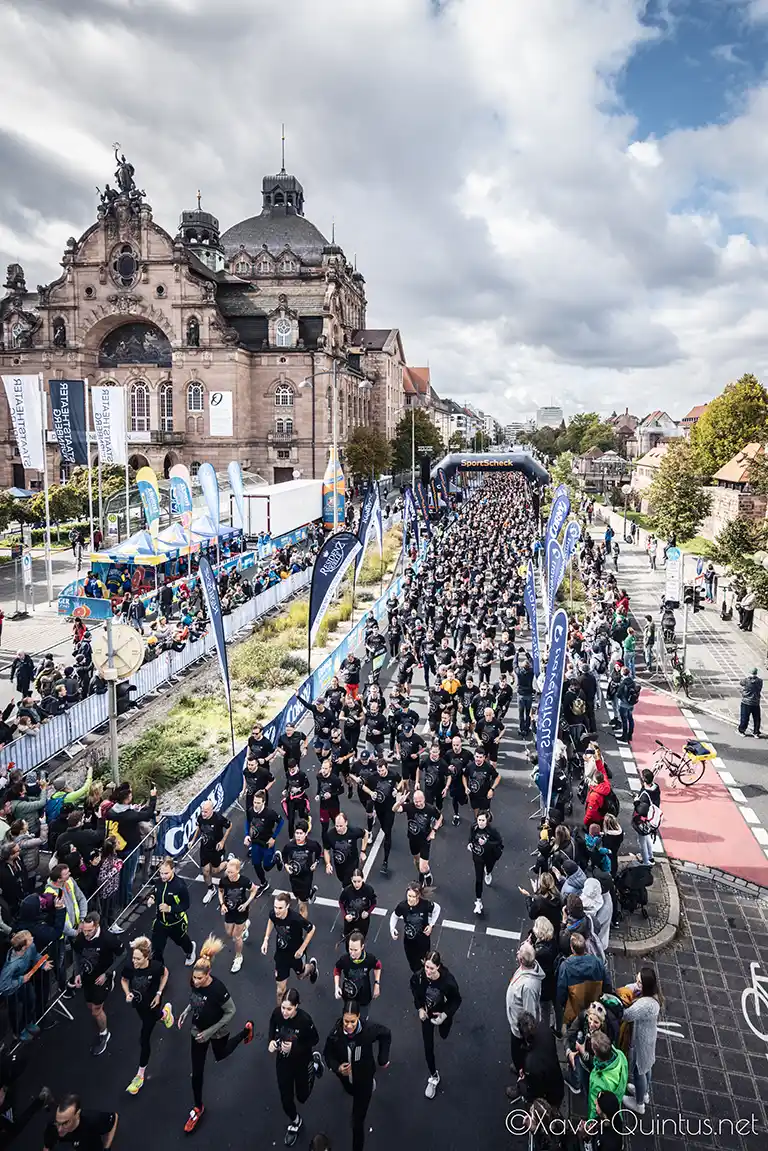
pixel 143 982
pixel 212 1011
pixel 293 935
pixel 292 1036
pixel 295 802
pixel 236 894
pixel 419 915
pixel 357 901
pixel 300 857
pixel 437 998
pixel 486 846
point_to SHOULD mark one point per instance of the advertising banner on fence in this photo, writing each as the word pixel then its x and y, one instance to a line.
pixel 529 596
pixel 333 559
pixel 548 719
pixel 208 481
pixel 177 830
pixel 68 418
pixel 23 393
pixel 181 494
pixel 370 525
pixel 235 474
pixel 149 490
pixel 213 603
pixel 421 499
pixel 108 408
pixel 410 518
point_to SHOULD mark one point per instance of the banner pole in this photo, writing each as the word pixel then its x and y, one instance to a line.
pixel 90 462
pixel 48 557
pixel 127 477
pixel 100 497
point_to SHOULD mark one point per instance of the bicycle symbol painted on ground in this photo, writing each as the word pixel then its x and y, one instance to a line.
pixel 753 999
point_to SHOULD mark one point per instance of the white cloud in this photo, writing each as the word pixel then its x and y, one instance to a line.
pixel 480 164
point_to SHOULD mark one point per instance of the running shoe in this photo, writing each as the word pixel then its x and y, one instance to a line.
pixel 190 960
pixel 247 930
pixel 488 878
pixel 456 820
pixel 292 1131
pixel 314 972
pixel 167 1015
pixel 101 1044
pixel 478 907
pixel 195 1116
pixel 208 895
pixel 262 890
pixel 313 894
pixel 317 1062
pixel 384 869
pixel 237 963
pixel 136 1084
pixel 248 1036
pixel 278 858
pixel 432 1084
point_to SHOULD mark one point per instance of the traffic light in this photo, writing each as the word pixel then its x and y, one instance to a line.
pixel 688 596
pixel 698 599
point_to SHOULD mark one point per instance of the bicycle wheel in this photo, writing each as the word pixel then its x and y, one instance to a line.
pixel 690 771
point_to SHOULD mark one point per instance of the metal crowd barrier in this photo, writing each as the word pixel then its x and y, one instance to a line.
pixel 59 732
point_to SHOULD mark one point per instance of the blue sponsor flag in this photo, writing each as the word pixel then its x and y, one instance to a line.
pixel 421 500
pixel 235 474
pixel 572 537
pixel 370 525
pixel 410 518
pixel 548 717
pixel 333 559
pixel 181 494
pixel 213 603
pixel 529 596
pixel 561 490
pixel 555 573
pixel 209 483
pixel 559 512
pixel 442 484
pixel 68 411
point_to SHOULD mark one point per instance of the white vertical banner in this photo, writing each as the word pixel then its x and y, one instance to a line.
pixel 23 394
pixel 221 414
pixel 108 408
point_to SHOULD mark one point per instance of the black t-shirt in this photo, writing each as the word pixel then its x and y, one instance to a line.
pixel 357 900
pixel 257 780
pixel 89 1134
pixel 207 1003
pixel 479 780
pixel 144 982
pixel 415 919
pixel 212 830
pixel 355 977
pixel 261 826
pixel 489 732
pixel 96 955
pixel 296 784
pixel 421 820
pixel 376 726
pixel 411 747
pixel 290 745
pixel 434 773
pixel 339 750
pixel 329 788
pixel 458 763
pixel 289 932
pixel 386 786
pixel 344 846
pixel 260 748
pixel 234 892
pixel 299 1031
pixel 298 858
pixel 482 839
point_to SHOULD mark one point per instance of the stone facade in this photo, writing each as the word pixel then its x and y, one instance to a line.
pixel 270 312
pixel 727 504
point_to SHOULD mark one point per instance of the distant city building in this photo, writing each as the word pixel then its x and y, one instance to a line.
pixel 652 430
pixel 549 417
pixel 624 425
pixel 691 419
pixel 600 471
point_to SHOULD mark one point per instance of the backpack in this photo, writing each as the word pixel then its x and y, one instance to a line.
pixel 611 805
pixel 633 693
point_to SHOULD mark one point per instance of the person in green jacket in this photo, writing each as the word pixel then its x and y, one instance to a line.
pixel 610 1071
pixel 630 647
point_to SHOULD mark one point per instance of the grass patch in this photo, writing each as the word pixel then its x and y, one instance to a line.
pixel 370 572
pixel 699 546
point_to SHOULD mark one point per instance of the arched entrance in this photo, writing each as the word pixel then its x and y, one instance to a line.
pixel 168 463
pixel 137 461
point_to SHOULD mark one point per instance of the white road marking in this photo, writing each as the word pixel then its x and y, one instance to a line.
pixel 500 934
pixel 761 835
pixel 372 854
pixel 749 815
pixel 323 901
pixel 687 713
pixel 457 926
pixel 738 794
pixel 727 778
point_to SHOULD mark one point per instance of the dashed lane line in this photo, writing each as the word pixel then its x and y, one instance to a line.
pixel 501 934
pixel 451 924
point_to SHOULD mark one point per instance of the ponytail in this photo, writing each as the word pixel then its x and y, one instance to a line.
pixel 208 953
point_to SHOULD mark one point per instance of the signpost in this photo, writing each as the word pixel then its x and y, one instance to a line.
pixel 674 577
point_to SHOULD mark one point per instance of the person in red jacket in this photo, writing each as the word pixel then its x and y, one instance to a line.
pixel 596 797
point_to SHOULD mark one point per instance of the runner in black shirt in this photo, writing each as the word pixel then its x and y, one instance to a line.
pixel 295 802
pixel 212 831
pixel 143 982
pixel 85 1130
pixel 291 1036
pixel 293 935
pixel 383 788
pixel 480 780
pixel 330 786
pixel 341 756
pixel 423 822
pixel 351 718
pixel 410 746
pixel 488 733
pixel 352 975
pixel 486 846
pixel 300 858
pixel 433 777
pixel 342 846
pixel 363 773
pixel 264 826
pixel 212 1011
pixel 419 915
pixel 357 901
pixel 324 720
pixel 349 1054
pixel 261 748
pixel 436 997
pixel 236 894
pixel 256 777
pixel 293 744
pixel 97 954
pixel 376 728
pixel 334 697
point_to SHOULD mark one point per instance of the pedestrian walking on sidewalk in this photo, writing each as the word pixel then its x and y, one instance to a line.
pixel 653 548
pixel 630 647
pixel 627 695
pixel 751 690
pixel 649 642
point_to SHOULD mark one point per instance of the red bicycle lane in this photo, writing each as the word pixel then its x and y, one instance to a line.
pixel 701 824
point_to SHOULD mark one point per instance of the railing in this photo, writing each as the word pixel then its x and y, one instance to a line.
pixel 59 732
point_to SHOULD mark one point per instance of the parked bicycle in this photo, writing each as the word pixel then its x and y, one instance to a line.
pixel 686 766
pixel 681 677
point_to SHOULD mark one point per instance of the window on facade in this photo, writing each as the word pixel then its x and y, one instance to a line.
pixel 242 268
pixel 166 407
pixel 125 266
pixel 288 267
pixel 283 396
pixel 140 407
pixel 264 265
pixel 283 454
pixel 194 468
pixel 283 333
pixel 195 398
pixel 284 425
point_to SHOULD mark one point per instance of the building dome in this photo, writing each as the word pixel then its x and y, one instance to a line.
pixel 281 224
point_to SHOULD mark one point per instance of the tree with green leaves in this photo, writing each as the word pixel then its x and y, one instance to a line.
pixel 457 443
pixel 757 473
pixel 740 538
pixel 728 423
pixel 423 433
pixel 480 442
pixel 562 470
pixel 367 452
pixel 677 499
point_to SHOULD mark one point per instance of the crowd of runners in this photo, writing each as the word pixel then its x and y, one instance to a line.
pixel 373 761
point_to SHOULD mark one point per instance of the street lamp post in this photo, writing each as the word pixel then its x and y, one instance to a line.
pixel 626 489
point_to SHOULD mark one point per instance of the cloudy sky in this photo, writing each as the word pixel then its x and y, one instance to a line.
pixel 563 200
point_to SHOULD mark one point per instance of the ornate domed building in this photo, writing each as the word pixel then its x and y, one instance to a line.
pixel 229 343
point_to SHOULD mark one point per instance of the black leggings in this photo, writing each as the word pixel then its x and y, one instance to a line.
pixel 150 1017
pixel 222 1047
pixel 428 1030
pixel 482 864
pixel 415 950
pixel 361 1092
pixel 177 932
pixel 295 1080
pixel 387 822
